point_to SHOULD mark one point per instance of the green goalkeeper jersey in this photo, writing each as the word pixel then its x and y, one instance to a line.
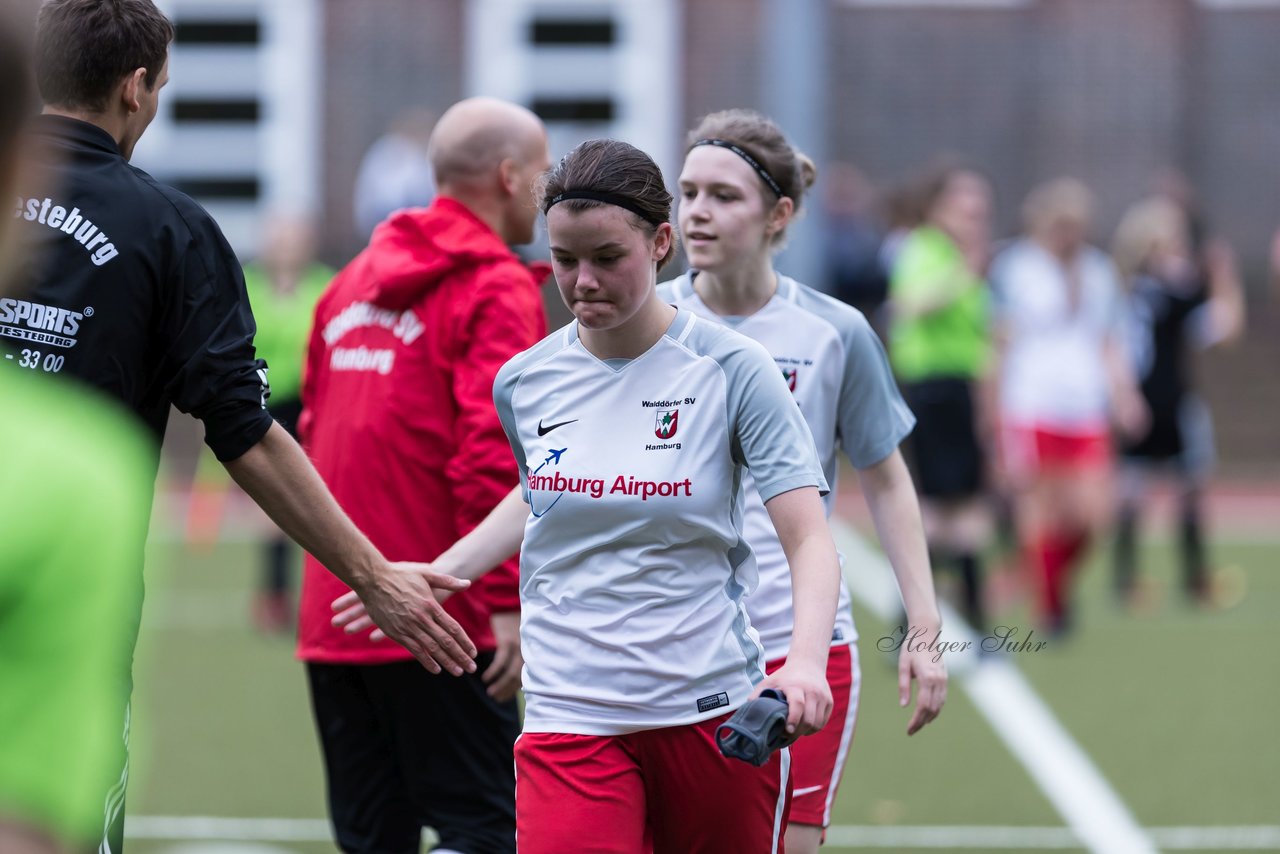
pixel 74 501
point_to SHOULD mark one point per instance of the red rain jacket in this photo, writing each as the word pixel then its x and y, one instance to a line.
pixel 398 412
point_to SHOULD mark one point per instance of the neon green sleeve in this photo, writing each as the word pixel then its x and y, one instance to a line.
pixel 927 268
pixel 74 500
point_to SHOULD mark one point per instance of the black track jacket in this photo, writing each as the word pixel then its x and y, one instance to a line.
pixel 130 286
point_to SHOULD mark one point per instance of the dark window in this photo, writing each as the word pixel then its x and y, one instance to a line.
pixel 215 110
pixel 217 32
pixel 546 31
pixel 234 188
pixel 574 109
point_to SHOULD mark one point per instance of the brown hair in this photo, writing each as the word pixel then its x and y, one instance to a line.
pixel 15 110
pixel 759 136
pixel 15 58
pixel 85 47
pixel 938 179
pixel 614 168
pixel 1056 200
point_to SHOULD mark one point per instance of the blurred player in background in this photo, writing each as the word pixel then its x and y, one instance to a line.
pixel 939 342
pixel 741 187
pixel 400 422
pixel 284 283
pixel 1177 307
pixel 73 514
pixel 1064 380
pixel 130 287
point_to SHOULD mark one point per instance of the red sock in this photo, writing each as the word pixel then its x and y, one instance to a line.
pixel 1053 558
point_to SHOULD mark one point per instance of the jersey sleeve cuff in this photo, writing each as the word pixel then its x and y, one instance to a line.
pixel 234 432
pixel 796 481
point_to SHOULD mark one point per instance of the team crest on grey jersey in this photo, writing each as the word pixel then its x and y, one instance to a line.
pixel 666 421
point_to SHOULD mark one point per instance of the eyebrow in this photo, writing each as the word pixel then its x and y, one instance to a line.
pixel 601 247
pixel 715 185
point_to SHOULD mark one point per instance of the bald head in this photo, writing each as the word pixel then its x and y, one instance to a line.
pixel 474 136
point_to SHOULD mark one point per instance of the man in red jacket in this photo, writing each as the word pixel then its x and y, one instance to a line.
pixel 398 417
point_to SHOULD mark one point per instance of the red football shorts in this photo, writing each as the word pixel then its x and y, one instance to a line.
pixel 817 760
pixel 660 790
pixel 1031 449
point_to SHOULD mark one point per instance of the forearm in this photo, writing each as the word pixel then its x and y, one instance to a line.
pixel 815 592
pixel 896 513
pixel 490 543
pixel 935 298
pixel 802 529
pixel 277 475
pixel 1226 313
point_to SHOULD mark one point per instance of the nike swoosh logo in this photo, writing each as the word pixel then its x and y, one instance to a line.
pixel 542 431
pixel 805 791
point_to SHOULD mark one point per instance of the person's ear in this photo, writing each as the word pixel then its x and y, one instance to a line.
pixel 663 241
pixel 131 88
pixel 780 215
pixel 509 176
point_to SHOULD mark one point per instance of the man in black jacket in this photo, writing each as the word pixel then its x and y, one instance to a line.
pixel 132 288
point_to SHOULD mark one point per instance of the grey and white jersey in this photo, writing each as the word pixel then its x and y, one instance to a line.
pixel 634 567
pixel 838 372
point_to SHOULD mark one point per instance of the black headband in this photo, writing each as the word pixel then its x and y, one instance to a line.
pixel 608 199
pixel 751 161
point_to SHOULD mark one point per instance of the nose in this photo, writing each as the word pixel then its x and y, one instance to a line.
pixel 693 207
pixel 586 281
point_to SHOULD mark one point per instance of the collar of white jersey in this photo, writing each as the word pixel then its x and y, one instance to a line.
pixel 678 330
pixel 682 287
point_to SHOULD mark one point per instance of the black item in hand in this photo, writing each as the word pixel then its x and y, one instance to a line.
pixel 756 729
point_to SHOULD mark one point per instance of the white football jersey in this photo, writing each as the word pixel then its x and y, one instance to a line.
pixel 1054 374
pixel 634 567
pixel 838 372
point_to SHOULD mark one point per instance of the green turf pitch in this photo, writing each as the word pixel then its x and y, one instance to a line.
pixel 1177 708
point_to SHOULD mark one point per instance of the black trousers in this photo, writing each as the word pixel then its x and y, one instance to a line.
pixel 405 749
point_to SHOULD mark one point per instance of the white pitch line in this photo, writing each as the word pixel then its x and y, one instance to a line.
pixel 188 827
pixel 1027 726
pixel 1208 838
pixel 1215 838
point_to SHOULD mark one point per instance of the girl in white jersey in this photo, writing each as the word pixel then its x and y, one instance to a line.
pixel 1063 379
pixel 633 427
pixel 740 187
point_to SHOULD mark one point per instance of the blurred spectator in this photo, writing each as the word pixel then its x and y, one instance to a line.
pixel 1177 306
pixel 938 343
pixel 395 172
pixel 1062 372
pixel 284 283
pixel 854 272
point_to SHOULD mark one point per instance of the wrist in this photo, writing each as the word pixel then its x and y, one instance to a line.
pixel 449 563
pixel 364 570
pixel 808 655
pixel 928 619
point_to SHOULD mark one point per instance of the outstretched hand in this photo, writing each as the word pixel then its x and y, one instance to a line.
pixel 404 604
